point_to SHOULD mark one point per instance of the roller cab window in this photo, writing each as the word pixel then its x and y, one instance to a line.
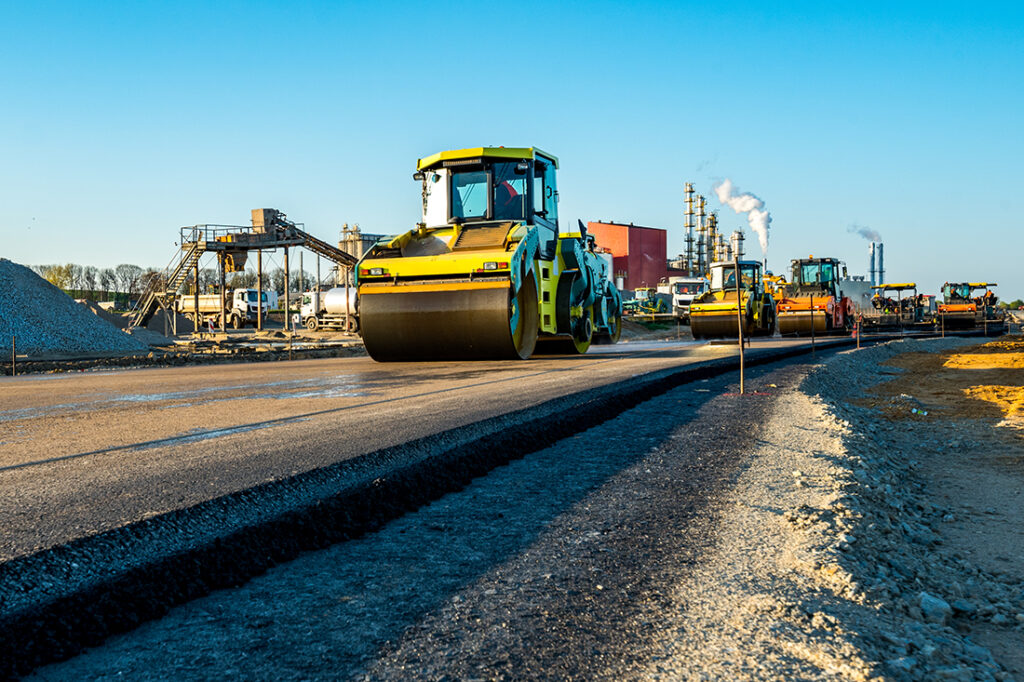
pixel 545 210
pixel 470 194
pixel 817 273
pixel 495 192
pixel 725 277
pixel 509 197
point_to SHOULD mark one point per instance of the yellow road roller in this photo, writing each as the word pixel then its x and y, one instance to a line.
pixel 714 313
pixel 487 273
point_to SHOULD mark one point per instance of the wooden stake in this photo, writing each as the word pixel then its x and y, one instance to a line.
pixel 739 315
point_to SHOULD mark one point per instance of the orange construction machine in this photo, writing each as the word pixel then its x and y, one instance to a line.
pixel 970 305
pixel 813 299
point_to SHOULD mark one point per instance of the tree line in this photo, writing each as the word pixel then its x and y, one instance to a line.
pixel 126 279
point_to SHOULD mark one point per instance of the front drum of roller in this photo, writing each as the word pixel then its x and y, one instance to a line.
pixel 714 325
pixel 449 321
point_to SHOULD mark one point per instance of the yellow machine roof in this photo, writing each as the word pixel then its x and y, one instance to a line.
pixel 728 263
pixel 483 152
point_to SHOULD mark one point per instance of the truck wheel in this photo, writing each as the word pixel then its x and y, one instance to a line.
pixel 312 324
pixel 236 322
pixel 352 325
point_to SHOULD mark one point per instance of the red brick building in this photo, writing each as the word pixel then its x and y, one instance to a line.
pixel 638 253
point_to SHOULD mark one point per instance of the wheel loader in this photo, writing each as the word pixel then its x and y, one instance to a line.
pixel 487 273
pixel 813 299
pixel 713 314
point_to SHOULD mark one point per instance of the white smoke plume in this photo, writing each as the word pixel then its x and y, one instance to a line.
pixel 866 232
pixel 744 202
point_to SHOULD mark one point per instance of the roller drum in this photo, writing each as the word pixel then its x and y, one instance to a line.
pixel 800 323
pixel 718 325
pixel 449 321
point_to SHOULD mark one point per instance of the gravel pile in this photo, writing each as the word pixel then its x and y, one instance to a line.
pixel 161 323
pixel 830 562
pixel 884 532
pixel 46 320
pixel 119 321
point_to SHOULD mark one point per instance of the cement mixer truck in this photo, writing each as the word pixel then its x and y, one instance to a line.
pixel 332 309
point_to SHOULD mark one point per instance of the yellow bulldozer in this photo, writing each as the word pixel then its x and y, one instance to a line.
pixel 487 273
pixel 718 312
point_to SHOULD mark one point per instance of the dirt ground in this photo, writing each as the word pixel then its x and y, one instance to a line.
pixel 979 392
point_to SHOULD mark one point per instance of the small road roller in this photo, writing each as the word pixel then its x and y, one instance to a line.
pixel 713 314
pixel 487 273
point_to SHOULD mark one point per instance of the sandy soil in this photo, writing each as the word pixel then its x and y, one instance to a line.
pixel 974 395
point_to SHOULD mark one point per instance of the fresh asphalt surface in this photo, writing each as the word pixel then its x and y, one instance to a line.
pixel 84 453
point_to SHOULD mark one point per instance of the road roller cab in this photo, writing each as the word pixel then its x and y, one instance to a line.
pixel 714 313
pixel 487 272
pixel 813 299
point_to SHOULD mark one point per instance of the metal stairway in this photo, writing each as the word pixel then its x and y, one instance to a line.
pixel 163 289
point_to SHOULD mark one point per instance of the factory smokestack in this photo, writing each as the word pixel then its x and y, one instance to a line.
pixel 736 242
pixel 871 263
pixel 744 202
pixel 881 263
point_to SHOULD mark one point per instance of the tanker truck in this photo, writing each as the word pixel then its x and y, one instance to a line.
pixel 331 309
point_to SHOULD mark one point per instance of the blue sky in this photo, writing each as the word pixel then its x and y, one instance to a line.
pixel 123 121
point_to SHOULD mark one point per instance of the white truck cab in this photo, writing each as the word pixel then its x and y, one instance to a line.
pixel 683 290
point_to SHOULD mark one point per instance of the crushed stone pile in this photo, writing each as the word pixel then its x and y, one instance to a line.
pixel 46 320
pixel 162 322
pixel 119 321
pixel 884 529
